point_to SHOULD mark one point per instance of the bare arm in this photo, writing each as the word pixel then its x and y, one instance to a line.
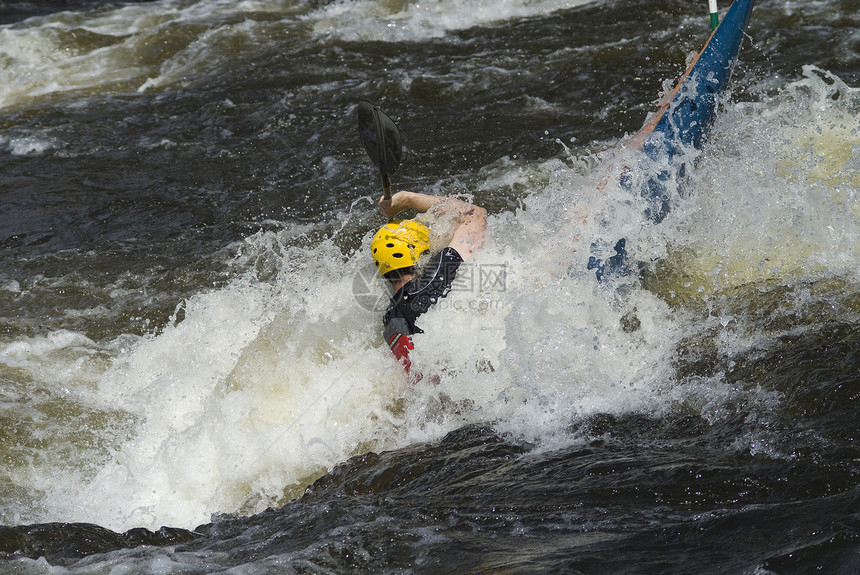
pixel 468 237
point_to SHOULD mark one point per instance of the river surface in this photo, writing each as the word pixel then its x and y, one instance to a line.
pixel 192 373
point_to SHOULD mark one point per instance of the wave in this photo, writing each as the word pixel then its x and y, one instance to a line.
pixel 408 21
pixel 171 43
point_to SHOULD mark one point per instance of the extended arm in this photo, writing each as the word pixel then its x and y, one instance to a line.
pixel 468 237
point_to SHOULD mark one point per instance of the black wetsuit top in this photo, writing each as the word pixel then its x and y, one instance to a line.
pixel 414 298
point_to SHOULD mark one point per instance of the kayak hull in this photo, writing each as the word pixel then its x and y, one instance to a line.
pixel 681 124
pixel 685 120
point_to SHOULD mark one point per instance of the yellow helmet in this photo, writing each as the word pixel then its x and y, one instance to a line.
pixel 398 245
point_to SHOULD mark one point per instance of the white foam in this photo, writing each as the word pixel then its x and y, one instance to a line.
pixel 62 358
pixel 114 49
pixel 789 204
pixel 375 20
pixel 258 389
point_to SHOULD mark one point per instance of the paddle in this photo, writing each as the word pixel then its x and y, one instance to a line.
pixel 381 140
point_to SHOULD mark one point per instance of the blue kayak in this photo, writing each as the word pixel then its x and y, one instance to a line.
pixel 683 122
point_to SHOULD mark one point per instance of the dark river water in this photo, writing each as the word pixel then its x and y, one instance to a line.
pixel 192 373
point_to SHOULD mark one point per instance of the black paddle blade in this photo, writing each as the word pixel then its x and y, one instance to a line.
pixel 380 137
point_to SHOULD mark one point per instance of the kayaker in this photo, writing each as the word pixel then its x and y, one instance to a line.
pixel 396 249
